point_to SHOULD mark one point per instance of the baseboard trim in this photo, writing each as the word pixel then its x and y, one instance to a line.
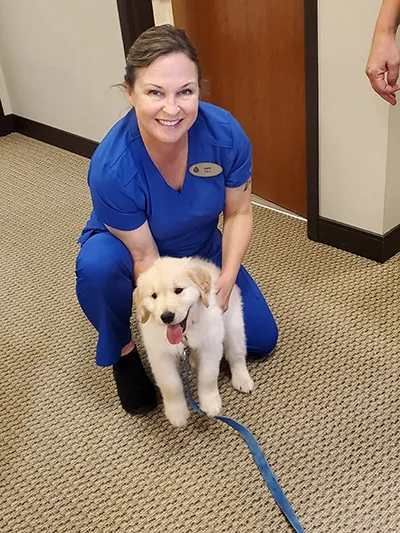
pixel 55 137
pixel 360 242
pixel 391 243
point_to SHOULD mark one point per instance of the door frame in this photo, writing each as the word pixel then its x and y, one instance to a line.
pixel 137 15
pixel 2 121
pixel 312 115
pixel 6 122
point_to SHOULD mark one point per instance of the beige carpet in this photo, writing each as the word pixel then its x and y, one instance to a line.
pixel 325 410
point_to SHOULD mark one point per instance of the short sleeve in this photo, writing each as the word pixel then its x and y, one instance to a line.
pixel 114 203
pixel 241 168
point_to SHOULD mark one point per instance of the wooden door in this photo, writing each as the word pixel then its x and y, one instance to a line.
pixel 252 55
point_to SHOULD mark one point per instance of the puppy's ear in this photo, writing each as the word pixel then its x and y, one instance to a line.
pixel 143 313
pixel 202 279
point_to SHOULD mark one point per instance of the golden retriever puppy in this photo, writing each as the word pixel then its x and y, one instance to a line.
pixel 176 304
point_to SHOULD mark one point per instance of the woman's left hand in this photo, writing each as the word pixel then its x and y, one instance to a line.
pixel 223 288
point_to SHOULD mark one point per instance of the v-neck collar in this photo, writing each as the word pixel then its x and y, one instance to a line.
pixel 149 163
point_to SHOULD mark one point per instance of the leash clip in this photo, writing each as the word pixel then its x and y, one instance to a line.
pixel 186 349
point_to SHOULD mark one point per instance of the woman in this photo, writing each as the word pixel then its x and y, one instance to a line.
pixel 158 181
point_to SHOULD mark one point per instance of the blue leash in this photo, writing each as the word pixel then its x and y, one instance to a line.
pixel 258 456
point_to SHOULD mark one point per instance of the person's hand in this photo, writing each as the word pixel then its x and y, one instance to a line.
pixel 223 288
pixel 383 66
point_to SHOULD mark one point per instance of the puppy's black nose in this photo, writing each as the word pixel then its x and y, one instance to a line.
pixel 167 317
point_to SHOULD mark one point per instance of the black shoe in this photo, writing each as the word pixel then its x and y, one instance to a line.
pixel 260 356
pixel 135 389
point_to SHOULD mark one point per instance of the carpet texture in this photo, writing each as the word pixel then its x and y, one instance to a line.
pixel 325 408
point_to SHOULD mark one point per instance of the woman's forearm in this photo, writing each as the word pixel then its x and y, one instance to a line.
pixel 235 241
pixel 141 246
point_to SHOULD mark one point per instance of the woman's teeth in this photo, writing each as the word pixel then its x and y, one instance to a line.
pixel 169 122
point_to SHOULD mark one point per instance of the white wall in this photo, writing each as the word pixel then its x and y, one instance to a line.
pixel 392 194
pixel 162 10
pixel 359 133
pixel 391 216
pixel 60 60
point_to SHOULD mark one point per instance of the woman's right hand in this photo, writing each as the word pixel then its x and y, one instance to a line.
pixel 383 65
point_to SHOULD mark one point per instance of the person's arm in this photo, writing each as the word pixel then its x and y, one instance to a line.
pixel 121 209
pixel 384 58
pixel 238 225
pixel 141 245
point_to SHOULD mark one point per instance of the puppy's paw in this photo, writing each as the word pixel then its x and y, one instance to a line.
pixel 242 381
pixel 211 404
pixel 178 415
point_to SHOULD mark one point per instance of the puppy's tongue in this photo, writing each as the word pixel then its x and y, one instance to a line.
pixel 174 333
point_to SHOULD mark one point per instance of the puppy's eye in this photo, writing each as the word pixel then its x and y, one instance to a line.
pixel 178 290
pixel 154 295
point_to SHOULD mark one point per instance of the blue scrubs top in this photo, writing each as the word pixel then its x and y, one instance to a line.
pixel 127 189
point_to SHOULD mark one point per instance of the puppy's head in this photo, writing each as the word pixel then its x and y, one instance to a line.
pixel 167 291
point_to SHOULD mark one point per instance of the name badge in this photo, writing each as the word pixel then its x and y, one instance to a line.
pixel 205 170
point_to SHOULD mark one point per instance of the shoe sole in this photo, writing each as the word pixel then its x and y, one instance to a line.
pixel 140 410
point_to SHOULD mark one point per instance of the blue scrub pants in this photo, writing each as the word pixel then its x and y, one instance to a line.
pixel 104 287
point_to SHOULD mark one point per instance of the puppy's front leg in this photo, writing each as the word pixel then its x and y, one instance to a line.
pixel 166 374
pixel 207 378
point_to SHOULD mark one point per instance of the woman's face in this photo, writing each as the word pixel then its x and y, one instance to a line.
pixel 166 98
